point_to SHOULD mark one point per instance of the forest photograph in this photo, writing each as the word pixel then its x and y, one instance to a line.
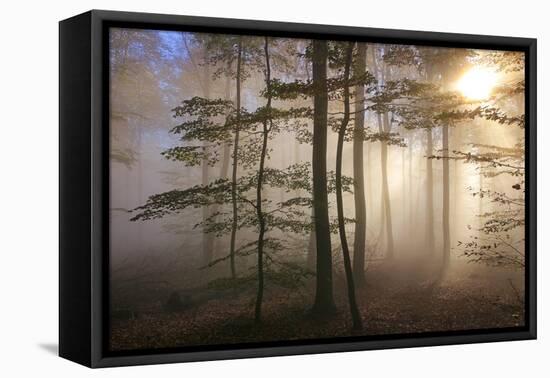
pixel 275 189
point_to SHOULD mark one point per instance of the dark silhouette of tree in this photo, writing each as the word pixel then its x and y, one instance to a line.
pixel 356 317
pixel 267 125
pixel 358 171
pixel 324 300
pixel 224 52
pixel 384 127
pixel 234 223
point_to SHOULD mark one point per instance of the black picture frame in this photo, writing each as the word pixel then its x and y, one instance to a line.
pixel 84 187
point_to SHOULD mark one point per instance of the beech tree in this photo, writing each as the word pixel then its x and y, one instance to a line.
pixel 348 55
pixel 324 301
pixel 358 170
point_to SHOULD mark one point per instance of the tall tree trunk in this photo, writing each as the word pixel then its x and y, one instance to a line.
pixel 480 199
pixel 283 164
pixel 386 189
pixel 368 185
pixel 481 140
pixel 430 236
pixel 446 224
pixel 358 171
pixel 207 238
pixel 297 192
pixel 224 169
pixel 430 222
pixel 356 317
pixel 324 300
pixel 446 75
pixel 235 162
pixel 384 126
pixel 454 145
pixel 404 194
pixel 226 146
pixel 382 211
pixel 410 186
pixel 259 187
pixel 382 202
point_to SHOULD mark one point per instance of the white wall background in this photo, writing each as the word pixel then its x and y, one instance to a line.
pixel 29 187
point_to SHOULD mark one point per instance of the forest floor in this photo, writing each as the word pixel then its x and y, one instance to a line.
pixel 396 299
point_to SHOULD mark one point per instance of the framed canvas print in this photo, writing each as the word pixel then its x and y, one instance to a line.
pixel 233 188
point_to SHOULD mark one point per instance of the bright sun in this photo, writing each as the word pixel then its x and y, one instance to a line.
pixel 477 83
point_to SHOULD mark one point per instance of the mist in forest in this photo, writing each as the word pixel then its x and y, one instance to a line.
pixel 267 189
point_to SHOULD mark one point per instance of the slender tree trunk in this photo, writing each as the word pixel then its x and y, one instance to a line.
pixel 446 255
pixel 430 236
pixel 259 187
pixel 358 171
pixel 226 146
pixel 207 238
pixel 382 201
pixel 297 160
pixel 235 163
pixel 446 193
pixel 480 199
pixel 368 185
pixel 384 126
pixel 283 164
pixel 382 221
pixel 481 139
pixel 430 222
pixel 356 317
pixel 410 186
pixel 310 257
pixel 139 165
pixel 404 194
pixel 324 300
pixel 446 224
pixel 386 189
pixel 224 169
pixel 454 143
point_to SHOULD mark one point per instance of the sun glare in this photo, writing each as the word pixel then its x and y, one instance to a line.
pixel 477 83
